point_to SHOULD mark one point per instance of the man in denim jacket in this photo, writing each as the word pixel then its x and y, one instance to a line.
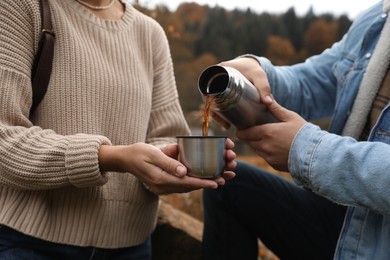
pixel 341 207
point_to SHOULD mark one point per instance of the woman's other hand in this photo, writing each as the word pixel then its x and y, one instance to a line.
pixel 158 168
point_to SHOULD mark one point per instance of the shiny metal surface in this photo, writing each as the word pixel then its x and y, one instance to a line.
pixel 204 156
pixel 236 99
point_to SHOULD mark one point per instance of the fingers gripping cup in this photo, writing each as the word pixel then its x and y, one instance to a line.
pixel 204 156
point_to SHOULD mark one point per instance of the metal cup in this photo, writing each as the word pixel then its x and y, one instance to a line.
pixel 204 156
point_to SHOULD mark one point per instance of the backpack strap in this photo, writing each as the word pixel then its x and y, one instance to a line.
pixel 43 60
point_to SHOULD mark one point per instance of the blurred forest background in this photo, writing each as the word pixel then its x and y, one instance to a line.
pixel 200 36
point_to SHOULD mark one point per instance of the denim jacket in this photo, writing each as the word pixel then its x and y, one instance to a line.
pixel 341 83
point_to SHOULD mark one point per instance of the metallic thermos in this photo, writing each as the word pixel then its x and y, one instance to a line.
pixel 235 98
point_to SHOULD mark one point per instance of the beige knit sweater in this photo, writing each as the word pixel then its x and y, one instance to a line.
pixel 112 82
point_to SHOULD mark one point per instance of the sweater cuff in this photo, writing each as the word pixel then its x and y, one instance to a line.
pixel 81 161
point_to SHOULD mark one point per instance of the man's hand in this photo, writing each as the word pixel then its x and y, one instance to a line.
pixel 251 69
pixel 273 141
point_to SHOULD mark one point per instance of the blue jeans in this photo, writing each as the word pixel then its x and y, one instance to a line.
pixel 291 220
pixel 17 246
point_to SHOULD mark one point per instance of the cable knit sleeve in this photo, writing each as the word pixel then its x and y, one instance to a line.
pixel 167 119
pixel 31 157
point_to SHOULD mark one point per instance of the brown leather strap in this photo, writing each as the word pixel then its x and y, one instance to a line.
pixel 43 61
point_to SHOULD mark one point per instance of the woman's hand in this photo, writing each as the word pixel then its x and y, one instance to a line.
pixel 273 141
pixel 158 168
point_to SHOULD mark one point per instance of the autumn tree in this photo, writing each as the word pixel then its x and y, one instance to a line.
pixel 294 28
pixel 217 34
pixel 320 35
pixel 280 51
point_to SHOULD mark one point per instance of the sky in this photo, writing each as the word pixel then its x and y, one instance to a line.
pixel 337 7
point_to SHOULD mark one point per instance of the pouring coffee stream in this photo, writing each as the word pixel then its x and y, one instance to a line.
pixel 229 94
pixel 207 107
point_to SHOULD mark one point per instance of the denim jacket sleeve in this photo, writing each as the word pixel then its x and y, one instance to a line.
pixel 313 81
pixel 342 169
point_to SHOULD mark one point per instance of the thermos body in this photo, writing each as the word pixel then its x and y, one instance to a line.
pixel 235 98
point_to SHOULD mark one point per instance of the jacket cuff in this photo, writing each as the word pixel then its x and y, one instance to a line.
pixel 303 149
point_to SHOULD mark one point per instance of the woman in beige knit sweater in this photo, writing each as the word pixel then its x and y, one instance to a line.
pixel 72 175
